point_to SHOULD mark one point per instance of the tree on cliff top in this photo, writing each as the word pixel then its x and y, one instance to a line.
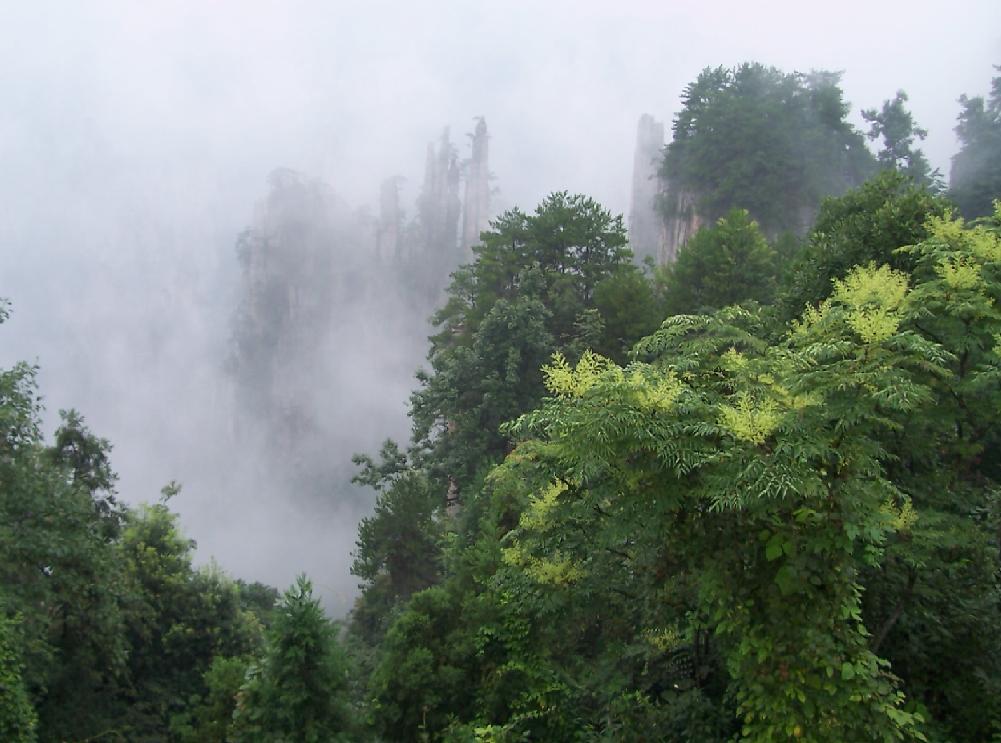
pixel 756 138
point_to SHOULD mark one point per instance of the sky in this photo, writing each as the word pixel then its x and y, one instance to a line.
pixel 136 138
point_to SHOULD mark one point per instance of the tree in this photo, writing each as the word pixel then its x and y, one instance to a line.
pixel 933 606
pixel 114 628
pixel 397 552
pixel 420 678
pixel 178 620
pixel 823 496
pixel 532 289
pixel 866 224
pixel 558 278
pixel 753 529
pixel 895 125
pixel 58 568
pixel 727 263
pixel 782 443
pixel 975 178
pixel 296 694
pixel 18 720
pixel 626 309
pixel 755 138
pixel 211 717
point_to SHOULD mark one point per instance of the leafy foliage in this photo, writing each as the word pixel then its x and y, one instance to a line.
pixel 740 532
pixel 866 224
pixel 755 138
pixel 975 178
pixel 397 548
pixel 296 692
pixel 725 264
pixel 17 716
pixel 535 286
pixel 114 627
pixel 895 126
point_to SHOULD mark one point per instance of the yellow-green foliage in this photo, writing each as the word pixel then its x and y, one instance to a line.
pixel 536 516
pixel 872 302
pixel 871 286
pixel 652 389
pixel 556 570
pixel 663 639
pixel 733 360
pixel 981 242
pixel 901 518
pixel 786 399
pixel 563 380
pixel 960 272
pixel 946 229
pixel 872 297
pixel 751 421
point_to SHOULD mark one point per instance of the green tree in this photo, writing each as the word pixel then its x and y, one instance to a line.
pixel 18 720
pixel 115 628
pixel 420 679
pixel 560 277
pixel 975 178
pixel 933 602
pixel 755 138
pixel 397 552
pixel 58 568
pixel 531 290
pixel 857 453
pixel 297 693
pixel 627 309
pixel 866 224
pixel 781 444
pixel 210 719
pixel 895 125
pixel 178 620
pixel 727 263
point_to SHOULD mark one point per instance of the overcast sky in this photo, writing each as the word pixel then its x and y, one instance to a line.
pixel 135 139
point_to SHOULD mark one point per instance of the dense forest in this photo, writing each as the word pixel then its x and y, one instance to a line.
pixel 753 493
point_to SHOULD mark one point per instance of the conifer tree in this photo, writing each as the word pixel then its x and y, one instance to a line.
pixel 296 694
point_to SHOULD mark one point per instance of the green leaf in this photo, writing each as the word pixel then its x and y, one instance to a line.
pixel 774 547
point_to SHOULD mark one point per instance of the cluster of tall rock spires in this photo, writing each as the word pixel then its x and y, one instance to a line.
pixel 310 265
pixel 439 206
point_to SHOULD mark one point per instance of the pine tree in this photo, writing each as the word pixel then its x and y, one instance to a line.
pixel 296 694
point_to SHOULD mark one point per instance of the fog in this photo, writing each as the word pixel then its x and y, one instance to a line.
pixel 136 141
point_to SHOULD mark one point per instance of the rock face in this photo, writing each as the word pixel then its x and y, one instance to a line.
pixel 476 207
pixel 647 233
pixel 681 220
pixel 663 217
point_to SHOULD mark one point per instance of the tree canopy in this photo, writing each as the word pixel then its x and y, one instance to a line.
pixel 975 179
pixel 740 529
pixel 773 143
pixel 727 263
